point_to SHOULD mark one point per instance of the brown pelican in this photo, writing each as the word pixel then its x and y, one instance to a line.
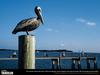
pixel 30 23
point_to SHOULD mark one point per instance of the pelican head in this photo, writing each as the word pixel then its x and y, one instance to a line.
pixel 38 12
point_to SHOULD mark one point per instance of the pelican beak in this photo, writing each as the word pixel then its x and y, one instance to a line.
pixel 41 18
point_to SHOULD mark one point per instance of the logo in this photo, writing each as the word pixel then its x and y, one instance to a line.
pixel 5 72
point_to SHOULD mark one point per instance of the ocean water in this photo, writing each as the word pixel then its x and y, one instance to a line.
pixel 47 64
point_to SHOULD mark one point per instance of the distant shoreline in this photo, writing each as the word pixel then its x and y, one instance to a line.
pixel 45 50
pixel 7 50
pixel 59 50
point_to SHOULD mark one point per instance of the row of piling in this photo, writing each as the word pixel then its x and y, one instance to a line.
pixel 76 63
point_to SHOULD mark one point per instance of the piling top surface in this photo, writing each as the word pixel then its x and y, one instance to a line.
pixel 25 35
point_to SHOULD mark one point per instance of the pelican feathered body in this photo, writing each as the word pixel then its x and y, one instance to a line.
pixel 29 24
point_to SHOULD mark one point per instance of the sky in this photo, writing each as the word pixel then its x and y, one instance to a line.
pixel 68 24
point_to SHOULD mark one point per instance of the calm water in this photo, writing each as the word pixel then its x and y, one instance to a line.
pixel 47 64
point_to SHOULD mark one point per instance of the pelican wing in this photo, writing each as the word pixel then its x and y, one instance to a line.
pixel 22 24
pixel 25 23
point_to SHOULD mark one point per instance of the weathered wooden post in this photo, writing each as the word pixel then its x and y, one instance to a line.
pixel 54 63
pixel 26 52
pixel 79 64
pixel 58 64
pixel 95 63
pixel 73 64
pixel 88 63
